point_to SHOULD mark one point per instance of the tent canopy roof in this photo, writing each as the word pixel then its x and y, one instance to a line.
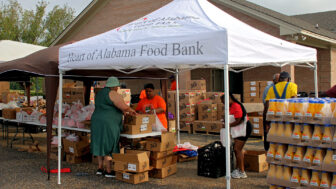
pixel 11 50
pixel 182 34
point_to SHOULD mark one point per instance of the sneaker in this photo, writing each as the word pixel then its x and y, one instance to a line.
pixel 99 172
pixel 235 173
pixel 109 175
pixel 238 175
pixel 242 174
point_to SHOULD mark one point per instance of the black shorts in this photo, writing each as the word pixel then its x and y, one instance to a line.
pixel 248 132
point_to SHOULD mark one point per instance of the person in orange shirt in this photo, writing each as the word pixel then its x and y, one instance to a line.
pixel 153 102
pixel 173 83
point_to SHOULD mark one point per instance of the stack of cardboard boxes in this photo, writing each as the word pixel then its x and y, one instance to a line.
pixel 253 91
pixel 139 124
pixel 77 151
pixel 162 159
pixel 132 166
pixel 257 123
pixel 207 118
pixel 73 94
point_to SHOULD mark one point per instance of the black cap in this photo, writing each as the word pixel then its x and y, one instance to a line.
pixel 149 85
pixel 284 75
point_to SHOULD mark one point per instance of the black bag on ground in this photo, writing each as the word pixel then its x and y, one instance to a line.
pixel 212 160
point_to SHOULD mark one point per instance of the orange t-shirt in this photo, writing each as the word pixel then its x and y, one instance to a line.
pixel 143 94
pixel 156 102
pixel 173 85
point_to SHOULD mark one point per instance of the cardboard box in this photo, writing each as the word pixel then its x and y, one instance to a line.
pixel 139 119
pixel 77 149
pixel 200 126
pixel 172 126
pixel 164 172
pixel 251 83
pixel 200 95
pixel 187 116
pixel 214 126
pixel 207 116
pixel 171 95
pixel 132 178
pixel 185 126
pixel 137 129
pixel 255 161
pixel 131 161
pixel 70 158
pixel 263 84
pixel 220 107
pixel 9 113
pixel 252 100
pixel 249 89
pixel 196 85
pixel 171 107
pixel 205 107
pixel 187 108
pixel 9 96
pixel 251 95
pixel 163 162
pixel 187 97
pixel 164 143
pixel 159 155
pixel 214 96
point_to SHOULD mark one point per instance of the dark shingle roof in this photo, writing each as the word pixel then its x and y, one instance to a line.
pixel 326 20
pixel 288 19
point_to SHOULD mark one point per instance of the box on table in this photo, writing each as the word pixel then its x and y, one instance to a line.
pixel 207 116
pixel 255 161
pixel 163 143
pixel 78 148
pixel 8 113
pixel 196 84
pixel 164 172
pixel 214 96
pixel 139 119
pixel 186 126
pixel 207 107
pixel 187 96
pixel 132 178
pixel 137 129
pixel 131 161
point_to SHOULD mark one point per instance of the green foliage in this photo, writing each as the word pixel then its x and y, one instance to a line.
pixel 33 26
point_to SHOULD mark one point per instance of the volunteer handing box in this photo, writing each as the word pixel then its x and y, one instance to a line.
pixel 165 143
pixel 131 161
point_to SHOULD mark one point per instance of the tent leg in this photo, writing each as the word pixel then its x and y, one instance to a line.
pixel 227 129
pixel 177 106
pixel 59 129
pixel 315 80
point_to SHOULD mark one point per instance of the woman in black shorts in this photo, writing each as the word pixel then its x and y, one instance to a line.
pixel 239 113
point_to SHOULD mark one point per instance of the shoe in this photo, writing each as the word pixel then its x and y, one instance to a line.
pixel 242 174
pixel 109 175
pixel 238 175
pixel 99 172
pixel 235 173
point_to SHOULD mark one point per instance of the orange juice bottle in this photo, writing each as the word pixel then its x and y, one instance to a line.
pixel 317 134
pixel 327 135
pixel 273 129
pixel 319 105
pixel 287 173
pixel 281 107
pixel 279 172
pixel 271 150
pixel 295 175
pixel 272 108
pixel 288 130
pixel 305 176
pixel 308 157
pixel 328 158
pixel 280 129
pixel 281 149
pixel 325 180
pixel 318 157
pixel 315 179
pixel 291 108
pixel 333 184
pixel 298 106
pixel 271 171
pixel 311 108
pixel 297 131
pixel 307 132
pixel 298 153
pixel 290 152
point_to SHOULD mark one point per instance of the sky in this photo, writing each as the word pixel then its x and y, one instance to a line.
pixel 288 7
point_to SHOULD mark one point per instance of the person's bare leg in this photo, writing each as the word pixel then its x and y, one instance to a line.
pixel 100 162
pixel 107 161
pixel 238 149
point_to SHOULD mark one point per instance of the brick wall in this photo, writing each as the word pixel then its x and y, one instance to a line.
pixel 264 73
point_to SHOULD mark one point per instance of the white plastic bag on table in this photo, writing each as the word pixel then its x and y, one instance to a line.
pixel 222 131
pixel 158 125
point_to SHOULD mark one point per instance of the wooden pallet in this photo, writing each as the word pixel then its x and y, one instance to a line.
pixel 206 132
pixel 183 131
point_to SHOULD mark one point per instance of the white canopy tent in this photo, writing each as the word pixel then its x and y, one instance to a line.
pixel 11 50
pixel 184 34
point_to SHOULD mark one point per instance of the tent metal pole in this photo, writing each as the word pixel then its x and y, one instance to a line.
pixel 227 126
pixel 177 105
pixel 59 129
pixel 315 80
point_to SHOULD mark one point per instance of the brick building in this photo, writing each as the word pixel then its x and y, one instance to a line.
pixel 104 15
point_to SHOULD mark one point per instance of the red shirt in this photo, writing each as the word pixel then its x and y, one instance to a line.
pixel 332 92
pixel 173 86
pixel 236 111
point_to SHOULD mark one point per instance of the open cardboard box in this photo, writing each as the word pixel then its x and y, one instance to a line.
pixel 78 148
pixel 132 178
pixel 131 161
pixel 159 144
pixel 255 161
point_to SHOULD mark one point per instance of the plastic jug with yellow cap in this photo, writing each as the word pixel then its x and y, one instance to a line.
pixel 311 108
pixel 281 107
pixel 290 152
pixel 318 157
pixel 305 176
pixel 290 109
pixel 299 108
pixel 307 132
pixel 280 129
pixel 295 175
pixel 325 180
pixel 273 129
pixel 281 149
pixel 288 130
pixel 309 155
pixel 272 149
pixel 272 108
pixel 315 179
pixel 297 131
pixel 299 153
pixel 317 134
pixel 327 133
pixel 328 158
